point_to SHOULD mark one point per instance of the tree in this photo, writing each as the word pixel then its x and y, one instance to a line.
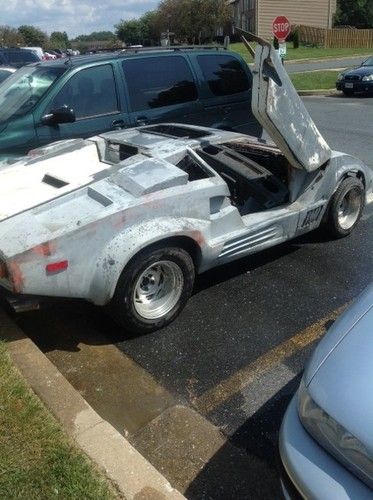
pixel 59 40
pixel 357 13
pixel 150 30
pixel 10 37
pixel 193 20
pixel 32 36
pixel 130 31
pixel 96 36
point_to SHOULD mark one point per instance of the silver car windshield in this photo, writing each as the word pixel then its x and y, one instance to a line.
pixel 21 91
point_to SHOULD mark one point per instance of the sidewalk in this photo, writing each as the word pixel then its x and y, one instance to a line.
pixel 132 474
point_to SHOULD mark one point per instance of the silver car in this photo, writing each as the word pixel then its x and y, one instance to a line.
pixel 326 438
pixel 128 218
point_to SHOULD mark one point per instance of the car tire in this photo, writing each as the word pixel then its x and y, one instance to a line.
pixel 345 208
pixel 153 289
pixel 348 93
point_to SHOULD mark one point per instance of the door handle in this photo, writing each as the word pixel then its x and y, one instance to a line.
pixel 118 123
pixel 142 120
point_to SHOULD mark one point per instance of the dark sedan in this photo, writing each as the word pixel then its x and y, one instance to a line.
pixel 358 79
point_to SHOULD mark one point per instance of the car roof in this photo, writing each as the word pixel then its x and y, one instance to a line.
pixel 129 53
pixel 13 49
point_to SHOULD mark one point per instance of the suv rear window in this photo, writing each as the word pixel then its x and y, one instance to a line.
pixel 26 56
pixel 154 82
pixel 224 74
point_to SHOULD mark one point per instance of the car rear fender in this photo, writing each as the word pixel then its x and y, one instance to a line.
pixel 124 246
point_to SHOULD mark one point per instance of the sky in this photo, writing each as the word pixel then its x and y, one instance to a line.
pixel 76 17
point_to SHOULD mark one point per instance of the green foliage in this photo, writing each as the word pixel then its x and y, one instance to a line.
pixel 130 32
pixel 357 13
pixel 96 36
pixel 32 36
pixel 10 37
pixel 193 20
pixel 59 40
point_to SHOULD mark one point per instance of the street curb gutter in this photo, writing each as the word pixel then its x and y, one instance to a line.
pixel 132 474
pixel 323 92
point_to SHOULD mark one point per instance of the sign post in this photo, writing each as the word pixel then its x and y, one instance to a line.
pixel 281 28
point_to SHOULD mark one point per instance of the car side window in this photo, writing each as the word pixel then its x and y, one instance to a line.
pixel 90 92
pixel 224 74
pixel 154 82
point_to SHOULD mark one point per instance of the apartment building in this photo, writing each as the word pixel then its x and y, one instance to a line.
pixel 257 15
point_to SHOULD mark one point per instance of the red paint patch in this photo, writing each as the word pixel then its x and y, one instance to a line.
pixel 45 249
pixel 198 238
pixel 16 276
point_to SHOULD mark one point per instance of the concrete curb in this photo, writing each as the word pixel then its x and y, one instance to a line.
pixel 322 92
pixel 132 474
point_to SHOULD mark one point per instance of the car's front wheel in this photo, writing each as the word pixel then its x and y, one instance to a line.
pixel 153 289
pixel 346 207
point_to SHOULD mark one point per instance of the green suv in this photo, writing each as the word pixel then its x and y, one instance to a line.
pixel 87 95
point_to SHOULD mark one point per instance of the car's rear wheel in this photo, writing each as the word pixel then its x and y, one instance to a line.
pixel 346 207
pixel 348 93
pixel 153 289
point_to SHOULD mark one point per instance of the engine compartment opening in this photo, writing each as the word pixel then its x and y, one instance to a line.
pixel 257 179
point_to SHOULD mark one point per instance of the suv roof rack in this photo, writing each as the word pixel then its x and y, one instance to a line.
pixel 172 48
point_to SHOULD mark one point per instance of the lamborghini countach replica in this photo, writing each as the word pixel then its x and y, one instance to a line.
pixel 128 218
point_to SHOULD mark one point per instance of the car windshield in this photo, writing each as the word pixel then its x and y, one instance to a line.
pixel 368 62
pixel 21 91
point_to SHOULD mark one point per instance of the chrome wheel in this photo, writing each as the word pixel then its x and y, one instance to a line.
pixel 349 208
pixel 158 289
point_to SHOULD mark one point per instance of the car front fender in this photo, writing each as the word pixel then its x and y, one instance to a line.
pixel 124 246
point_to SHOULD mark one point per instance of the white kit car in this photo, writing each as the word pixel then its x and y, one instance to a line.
pixel 128 218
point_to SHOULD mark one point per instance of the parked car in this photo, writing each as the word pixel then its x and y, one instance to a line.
pixel 6 71
pixel 356 80
pixel 127 218
pixel 49 56
pixel 109 91
pixel 326 439
pixel 17 57
pixel 37 50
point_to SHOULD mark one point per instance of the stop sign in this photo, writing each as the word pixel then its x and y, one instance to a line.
pixel 281 27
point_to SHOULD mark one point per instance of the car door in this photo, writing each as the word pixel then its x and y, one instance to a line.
pixel 93 95
pixel 278 107
pixel 226 85
pixel 161 88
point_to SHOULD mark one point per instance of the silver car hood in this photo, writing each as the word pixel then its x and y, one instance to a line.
pixel 279 109
pixel 340 374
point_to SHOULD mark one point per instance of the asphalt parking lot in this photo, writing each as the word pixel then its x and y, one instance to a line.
pixel 203 399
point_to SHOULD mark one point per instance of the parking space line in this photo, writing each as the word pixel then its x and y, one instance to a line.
pixel 234 384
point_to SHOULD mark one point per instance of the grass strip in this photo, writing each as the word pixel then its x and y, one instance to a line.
pixel 36 458
pixel 314 80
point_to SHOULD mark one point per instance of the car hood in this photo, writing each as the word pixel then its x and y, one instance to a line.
pixel 340 374
pixel 360 71
pixel 64 167
pixel 279 109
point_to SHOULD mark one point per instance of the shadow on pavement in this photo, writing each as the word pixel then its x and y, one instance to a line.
pixel 248 465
